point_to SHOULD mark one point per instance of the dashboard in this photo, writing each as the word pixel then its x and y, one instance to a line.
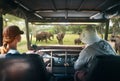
pixel 64 61
pixel 60 61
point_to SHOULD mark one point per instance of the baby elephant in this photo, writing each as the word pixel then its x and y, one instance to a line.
pixel 77 41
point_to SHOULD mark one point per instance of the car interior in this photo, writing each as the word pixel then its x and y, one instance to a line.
pixel 56 62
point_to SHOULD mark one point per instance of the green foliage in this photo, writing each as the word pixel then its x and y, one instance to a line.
pixel 116 25
pixel 59 28
pixel 13 20
pixel 75 28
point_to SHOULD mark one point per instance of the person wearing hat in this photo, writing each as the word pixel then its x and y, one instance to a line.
pixel 11 37
pixel 94 46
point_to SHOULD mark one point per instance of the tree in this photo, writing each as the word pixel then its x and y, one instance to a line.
pixel 101 29
pixel 59 28
pixel 11 18
pixel 116 25
pixel 75 28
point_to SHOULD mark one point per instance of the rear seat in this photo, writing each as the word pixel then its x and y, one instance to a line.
pixel 23 67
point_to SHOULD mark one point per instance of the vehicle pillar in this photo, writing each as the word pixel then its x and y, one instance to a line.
pixel 27 34
pixel 107 29
pixel 1 27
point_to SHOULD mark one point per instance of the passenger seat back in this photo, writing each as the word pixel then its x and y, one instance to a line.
pixel 105 68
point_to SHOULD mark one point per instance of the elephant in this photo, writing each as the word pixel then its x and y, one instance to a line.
pixel 112 38
pixel 77 41
pixel 49 35
pixel 117 44
pixel 40 36
pixel 116 39
pixel 60 37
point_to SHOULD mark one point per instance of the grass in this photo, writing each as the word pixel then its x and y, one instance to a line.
pixel 68 40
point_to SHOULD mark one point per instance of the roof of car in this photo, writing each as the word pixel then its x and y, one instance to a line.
pixel 62 10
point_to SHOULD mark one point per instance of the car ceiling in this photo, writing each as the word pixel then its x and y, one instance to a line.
pixel 62 10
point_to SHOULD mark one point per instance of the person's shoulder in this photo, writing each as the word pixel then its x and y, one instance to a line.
pixel 102 40
pixel 12 51
pixel 103 43
pixel 104 46
pixel 88 49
